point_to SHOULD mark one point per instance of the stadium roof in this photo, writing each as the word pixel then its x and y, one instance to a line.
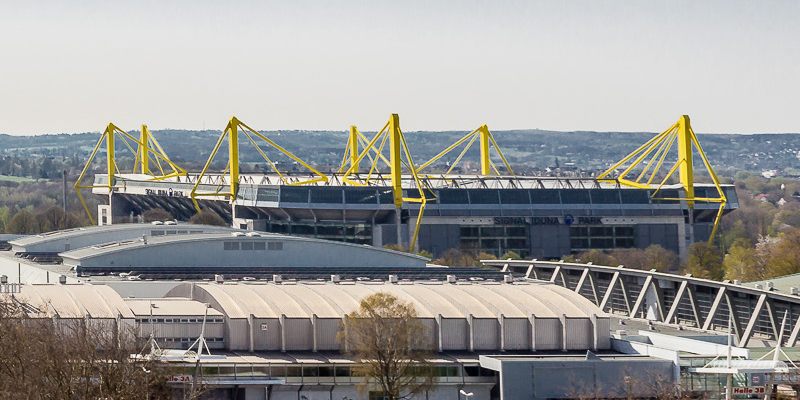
pixel 436 181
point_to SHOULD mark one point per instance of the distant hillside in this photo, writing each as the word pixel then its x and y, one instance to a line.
pixel 531 151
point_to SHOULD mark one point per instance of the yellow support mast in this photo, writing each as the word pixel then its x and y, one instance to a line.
pixel 486 142
pixel 141 156
pixel 649 158
pixel 231 133
pixel 399 156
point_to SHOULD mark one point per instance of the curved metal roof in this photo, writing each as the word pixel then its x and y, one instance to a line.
pixel 328 300
pixel 195 250
pixel 73 301
pixel 93 235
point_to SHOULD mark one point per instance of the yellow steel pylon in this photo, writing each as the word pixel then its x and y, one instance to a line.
pixel 231 132
pixel 650 158
pixel 146 147
pixel 486 143
pixel 399 156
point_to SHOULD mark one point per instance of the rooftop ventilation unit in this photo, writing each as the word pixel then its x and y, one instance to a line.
pixel 276 278
pixel 335 278
pixel 62 279
pixel 451 279
pixel 219 278
pixel 508 278
pixel 393 279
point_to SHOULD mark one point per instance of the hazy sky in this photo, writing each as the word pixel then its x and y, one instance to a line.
pixel 565 65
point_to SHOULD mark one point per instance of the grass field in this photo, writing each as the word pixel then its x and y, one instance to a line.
pixel 18 179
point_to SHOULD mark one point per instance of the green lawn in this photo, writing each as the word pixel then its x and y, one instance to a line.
pixel 9 178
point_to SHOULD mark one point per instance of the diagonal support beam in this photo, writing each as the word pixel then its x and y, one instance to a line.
pixel 581 280
pixel 607 295
pixel 625 295
pixel 751 324
pixel 594 288
pixel 556 272
pixel 795 332
pixel 531 273
pixel 773 319
pixel 642 293
pixel 673 309
pixel 712 312
pixel 693 303
pixel 737 324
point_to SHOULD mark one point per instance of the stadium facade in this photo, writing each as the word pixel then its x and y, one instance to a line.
pixel 543 218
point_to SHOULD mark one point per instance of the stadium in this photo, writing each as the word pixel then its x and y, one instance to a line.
pixel 396 201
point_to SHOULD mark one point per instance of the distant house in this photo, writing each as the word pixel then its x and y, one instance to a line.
pixel 762 197
pixel 769 173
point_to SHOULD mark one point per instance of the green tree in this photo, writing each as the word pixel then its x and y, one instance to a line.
pixel 596 257
pixel 744 262
pixel 705 261
pixel 510 254
pixel 23 222
pixel 784 257
pixel 387 336
pixel 5 216
pixel 460 258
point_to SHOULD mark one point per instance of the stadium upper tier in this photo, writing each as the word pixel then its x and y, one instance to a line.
pixel 485 191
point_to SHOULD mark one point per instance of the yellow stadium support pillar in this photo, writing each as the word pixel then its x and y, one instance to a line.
pixel 233 157
pixel 110 162
pixel 395 160
pixel 144 143
pixel 353 144
pixel 648 159
pixel 686 169
pixel 486 164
